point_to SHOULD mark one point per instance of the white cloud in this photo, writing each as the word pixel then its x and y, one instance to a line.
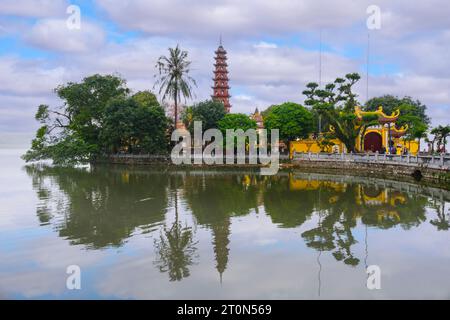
pixel 33 8
pixel 53 34
pixel 19 77
pixel 272 49
pixel 232 17
pixel 265 45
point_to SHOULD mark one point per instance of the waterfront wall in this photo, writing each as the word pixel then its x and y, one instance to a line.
pixel 436 168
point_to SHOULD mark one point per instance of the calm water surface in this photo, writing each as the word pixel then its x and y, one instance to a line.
pixel 153 234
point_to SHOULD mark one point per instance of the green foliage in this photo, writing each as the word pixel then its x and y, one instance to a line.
pixel 336 103
pixel 66 150
pixel 293 120
pixel 441 134
pixel 85 104
pixel 236 121
pixel 98 116
pixel 412 113
pixel 173 79
pixel 145 99
pixel 209 112
pixel 391 103
pixel 134 128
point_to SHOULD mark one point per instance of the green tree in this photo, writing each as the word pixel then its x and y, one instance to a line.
pixel 391 103
pixel 98 116
pixel 441 134
pixel 135 128
pixel 293 121
pixel 336 103
pixel 236 121
pixel 70 134
pixel 209 112
pixel 174 80
pixel 145 99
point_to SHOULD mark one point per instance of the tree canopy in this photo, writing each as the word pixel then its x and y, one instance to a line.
pixel 236 121
pixel 209 112
pixel 98 116
pixel 174 80
pixel 391 103
pixel 293 120
pixel 336 103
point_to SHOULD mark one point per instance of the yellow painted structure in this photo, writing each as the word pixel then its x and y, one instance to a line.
pixel 380 132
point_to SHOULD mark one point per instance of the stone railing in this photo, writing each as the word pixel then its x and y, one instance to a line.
pixel 441 162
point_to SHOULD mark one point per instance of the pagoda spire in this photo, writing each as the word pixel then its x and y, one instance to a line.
pixel 221 87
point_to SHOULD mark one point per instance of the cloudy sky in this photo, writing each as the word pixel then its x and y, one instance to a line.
pixel 273 49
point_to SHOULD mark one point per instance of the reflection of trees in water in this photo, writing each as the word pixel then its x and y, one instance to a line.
pixel 105 206
pixel 442 220
pixel 341 206
pixel 214 200
pixel 286 207
pixel 98 208
pixel 176 250
pixel 334 232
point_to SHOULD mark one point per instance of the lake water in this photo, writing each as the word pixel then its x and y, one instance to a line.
pixel 149 233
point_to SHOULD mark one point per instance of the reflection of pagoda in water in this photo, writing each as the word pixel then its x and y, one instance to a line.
pixel 221 234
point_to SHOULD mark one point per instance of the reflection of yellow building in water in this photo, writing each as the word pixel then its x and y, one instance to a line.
pixel 376 138
pixel 383 201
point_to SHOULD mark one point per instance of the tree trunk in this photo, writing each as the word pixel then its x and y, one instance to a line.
pixel 176 112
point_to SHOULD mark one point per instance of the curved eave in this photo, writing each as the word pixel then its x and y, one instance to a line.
pixel 382 117
pixel 397 133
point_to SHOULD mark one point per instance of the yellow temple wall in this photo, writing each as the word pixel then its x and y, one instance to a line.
pixel 311 145
pixel 412 146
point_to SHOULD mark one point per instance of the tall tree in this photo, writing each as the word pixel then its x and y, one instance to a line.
pixel 336 103
pixel 441 134
pixel 70 134
pixel 173 80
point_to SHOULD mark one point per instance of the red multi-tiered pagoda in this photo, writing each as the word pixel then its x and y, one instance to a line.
pixel 221 88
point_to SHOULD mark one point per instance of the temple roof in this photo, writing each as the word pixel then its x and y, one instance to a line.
pixel 397 133
pixel 220 49
pixel 382 117
pixel 258 118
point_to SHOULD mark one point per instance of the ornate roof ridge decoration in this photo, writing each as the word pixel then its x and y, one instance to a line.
pixel 382 117
pixel 400 132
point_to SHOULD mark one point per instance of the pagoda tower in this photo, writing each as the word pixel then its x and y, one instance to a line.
pixel 221 88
